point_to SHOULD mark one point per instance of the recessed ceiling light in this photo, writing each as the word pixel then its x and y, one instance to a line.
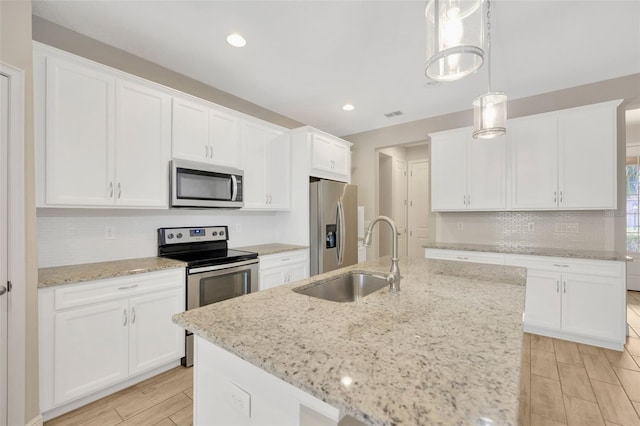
pixel 236 40
pixel 348 107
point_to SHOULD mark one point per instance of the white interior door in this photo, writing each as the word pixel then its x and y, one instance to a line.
pixel 419 207
pixel 400 204
pixel 4 297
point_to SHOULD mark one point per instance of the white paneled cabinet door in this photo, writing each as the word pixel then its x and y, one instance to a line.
pixel 298 271
pixel 80 134
pixel 143 145
pixel 190 133
pixel 591 306
pixel 588 158
pixel 279 170
pixel 153 338
pixel 91 349
pixel 272 278
pixel 543 299
pixel 224 139
pixel 534 160
pixel 255 150
pixel 449 170
pixel 486 174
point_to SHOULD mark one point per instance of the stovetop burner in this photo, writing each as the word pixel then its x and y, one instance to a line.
pixel 201 246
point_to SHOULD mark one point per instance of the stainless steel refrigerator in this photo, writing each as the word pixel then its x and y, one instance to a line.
pixel 333 214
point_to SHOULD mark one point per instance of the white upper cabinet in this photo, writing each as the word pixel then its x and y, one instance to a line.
pixel 102 140
pixel 205 134
pixel 143 128
pixel 330 157
pixel 565 160
pixel 267 167
pixel 467 173
pixel 79 128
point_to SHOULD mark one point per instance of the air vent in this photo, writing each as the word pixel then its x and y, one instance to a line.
pixel 393 114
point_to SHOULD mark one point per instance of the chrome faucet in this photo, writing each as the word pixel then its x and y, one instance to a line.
pixel 394 275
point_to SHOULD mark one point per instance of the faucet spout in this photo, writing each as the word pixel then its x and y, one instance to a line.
pixel 394 274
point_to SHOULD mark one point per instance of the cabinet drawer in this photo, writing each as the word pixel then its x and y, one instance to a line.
pixel 282 259
pixel 565 265
pixel 114 288
pixel 465 256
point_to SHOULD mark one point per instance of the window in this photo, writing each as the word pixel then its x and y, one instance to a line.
pixel 633 203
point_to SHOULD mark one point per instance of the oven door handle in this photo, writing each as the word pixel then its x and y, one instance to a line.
pixel 191 271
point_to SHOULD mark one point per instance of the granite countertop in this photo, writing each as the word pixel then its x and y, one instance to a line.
pixel 265 249
pixel 445 350
pixel 71 274
pixel 532 251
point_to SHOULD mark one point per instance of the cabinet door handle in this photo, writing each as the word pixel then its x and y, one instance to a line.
pixel 469 200
pixel 561 197
pixel 564 286
pixel 124 317
pixel 560 265
pixel 555 196
pixel 464 199
pixel 128 287
pixel 110 189
pixel 557 286
pixel 119 190
pixel 133 315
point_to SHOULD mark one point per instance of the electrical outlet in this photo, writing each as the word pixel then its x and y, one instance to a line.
pixel 109 233
pixel 572 228
pixel 460 226
pixel 531 227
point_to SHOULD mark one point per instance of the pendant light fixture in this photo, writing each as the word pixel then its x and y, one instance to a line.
pixel 490 109
pixel 454 38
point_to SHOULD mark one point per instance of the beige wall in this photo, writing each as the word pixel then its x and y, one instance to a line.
pixel 610 225
pixel 15 50
pixel 57 36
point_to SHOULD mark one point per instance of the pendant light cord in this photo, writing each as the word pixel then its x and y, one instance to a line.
pixel 489 43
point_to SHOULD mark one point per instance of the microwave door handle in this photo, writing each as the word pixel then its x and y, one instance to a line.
pixel 234 187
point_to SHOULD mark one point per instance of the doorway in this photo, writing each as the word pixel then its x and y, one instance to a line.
pixel 385 199
pixel 632 200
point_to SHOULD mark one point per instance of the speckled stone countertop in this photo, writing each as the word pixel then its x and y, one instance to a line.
pixel 265 249
pixel 71 274
pixel 533 251
pixel 446 350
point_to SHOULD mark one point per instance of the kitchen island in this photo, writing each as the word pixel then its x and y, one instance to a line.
pixel 445 350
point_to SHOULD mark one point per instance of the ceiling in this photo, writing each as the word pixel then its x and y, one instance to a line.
pixel 305 59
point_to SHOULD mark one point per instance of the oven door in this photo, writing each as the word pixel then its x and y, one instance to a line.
pixel 211 284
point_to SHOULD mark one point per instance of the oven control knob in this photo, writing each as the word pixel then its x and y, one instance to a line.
pixel 170 236
pixel 214 233
pixel 221 233
pixel 179 235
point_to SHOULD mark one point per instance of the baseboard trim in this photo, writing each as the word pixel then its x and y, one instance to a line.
pixel 36 421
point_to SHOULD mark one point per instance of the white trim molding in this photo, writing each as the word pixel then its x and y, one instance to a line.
pixel 36 421
pixel 17 248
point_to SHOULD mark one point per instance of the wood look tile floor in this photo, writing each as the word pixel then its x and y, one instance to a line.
pixel 562 383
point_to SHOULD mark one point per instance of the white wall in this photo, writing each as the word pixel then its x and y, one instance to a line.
pixel 73 236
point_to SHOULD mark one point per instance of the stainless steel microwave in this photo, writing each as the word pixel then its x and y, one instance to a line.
pixel 200 185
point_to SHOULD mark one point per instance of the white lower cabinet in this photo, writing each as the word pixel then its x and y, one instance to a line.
pixel 228 390
pixel 98 334
pixel 573 299
pixel 283 268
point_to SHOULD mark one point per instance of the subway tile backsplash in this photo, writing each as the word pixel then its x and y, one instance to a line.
pixel 585 230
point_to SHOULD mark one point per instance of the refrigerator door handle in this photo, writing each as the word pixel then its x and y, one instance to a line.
pixel 341 237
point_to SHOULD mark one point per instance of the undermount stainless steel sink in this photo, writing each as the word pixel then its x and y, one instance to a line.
pixel 345 288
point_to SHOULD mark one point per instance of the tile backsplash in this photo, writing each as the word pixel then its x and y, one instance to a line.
pixel 74 236
pixel 585 230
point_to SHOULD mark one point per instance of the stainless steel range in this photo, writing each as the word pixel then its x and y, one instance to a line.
pixel 214 272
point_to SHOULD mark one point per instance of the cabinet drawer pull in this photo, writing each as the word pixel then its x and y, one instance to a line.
pixel 462 257
pixel 124 317
pixel 284 260
pixel 560 265
pixel 128 287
